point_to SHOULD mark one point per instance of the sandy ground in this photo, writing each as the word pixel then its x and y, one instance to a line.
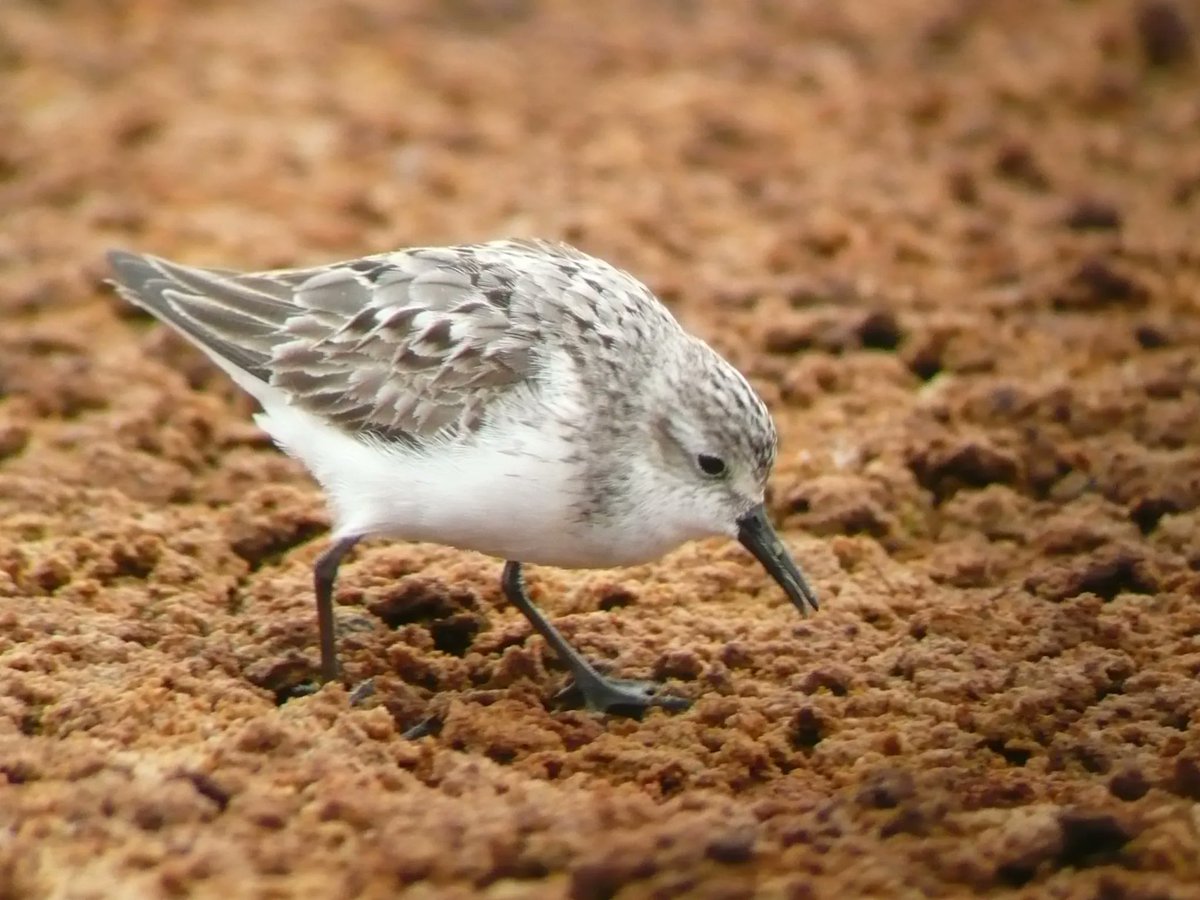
pixel 956 245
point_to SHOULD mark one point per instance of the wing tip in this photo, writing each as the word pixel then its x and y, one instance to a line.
pixel 133 272
pixel 170 293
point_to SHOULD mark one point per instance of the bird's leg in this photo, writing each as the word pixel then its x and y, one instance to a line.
pixel 600 693
pixel 324 575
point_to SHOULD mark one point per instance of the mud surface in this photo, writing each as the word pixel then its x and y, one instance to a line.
pixel 955 244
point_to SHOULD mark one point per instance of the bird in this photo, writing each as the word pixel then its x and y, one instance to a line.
pixel 518 397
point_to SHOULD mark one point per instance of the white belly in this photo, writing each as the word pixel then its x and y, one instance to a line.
pixel 512 494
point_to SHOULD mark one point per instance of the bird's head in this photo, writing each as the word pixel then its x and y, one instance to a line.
pixel 714 445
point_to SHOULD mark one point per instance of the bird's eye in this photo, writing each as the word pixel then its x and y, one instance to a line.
pixel 711 465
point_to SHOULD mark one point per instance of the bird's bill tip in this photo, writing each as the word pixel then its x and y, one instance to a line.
pixel 757 535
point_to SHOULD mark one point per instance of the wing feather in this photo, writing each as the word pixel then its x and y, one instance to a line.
pixel 406 345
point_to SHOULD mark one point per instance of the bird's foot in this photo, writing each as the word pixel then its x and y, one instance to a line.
pixel 362 692
pixel 359 693
pixel 619 696
pixel 303 689
pixel 426 727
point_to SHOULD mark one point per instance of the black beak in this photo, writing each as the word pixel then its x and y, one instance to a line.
pixel 757 536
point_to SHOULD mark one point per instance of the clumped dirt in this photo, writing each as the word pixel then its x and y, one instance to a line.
pixel 956 245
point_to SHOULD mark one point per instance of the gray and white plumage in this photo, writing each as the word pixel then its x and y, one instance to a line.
pixel 519 398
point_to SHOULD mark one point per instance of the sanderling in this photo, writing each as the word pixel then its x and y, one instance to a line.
pixel 517 398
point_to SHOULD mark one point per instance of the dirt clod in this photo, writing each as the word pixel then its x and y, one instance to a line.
pixel 954 248
pixel 1164 32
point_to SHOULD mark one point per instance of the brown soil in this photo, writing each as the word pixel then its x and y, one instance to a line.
pixel 955 244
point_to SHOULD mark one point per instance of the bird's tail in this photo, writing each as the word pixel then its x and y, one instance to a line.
pixel 235 319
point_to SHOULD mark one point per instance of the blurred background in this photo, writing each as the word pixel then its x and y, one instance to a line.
pixel 954 243
pixel 715 148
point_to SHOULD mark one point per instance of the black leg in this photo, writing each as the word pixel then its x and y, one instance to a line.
pixel 600 693
pixel 324 576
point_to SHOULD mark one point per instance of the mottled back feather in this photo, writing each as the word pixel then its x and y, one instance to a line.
pixel 404 345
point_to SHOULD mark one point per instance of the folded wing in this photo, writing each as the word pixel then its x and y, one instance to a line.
pixel 403 346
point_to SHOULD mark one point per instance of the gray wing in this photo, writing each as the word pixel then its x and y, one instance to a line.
pixel 402 345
